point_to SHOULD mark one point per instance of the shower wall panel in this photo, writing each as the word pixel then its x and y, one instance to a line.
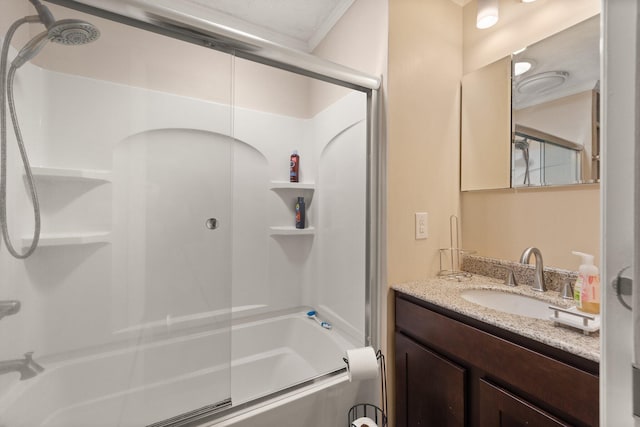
pixel 340 137
pixel 169 270
pixel 15 281
pixel 269 272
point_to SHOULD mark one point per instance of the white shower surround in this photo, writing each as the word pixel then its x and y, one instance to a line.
pixel 65 288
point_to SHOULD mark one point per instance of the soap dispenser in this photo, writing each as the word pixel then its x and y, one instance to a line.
pixel 587 287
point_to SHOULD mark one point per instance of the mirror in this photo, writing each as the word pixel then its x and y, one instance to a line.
pixel 555 103
pixel 485 127
pixel 538 126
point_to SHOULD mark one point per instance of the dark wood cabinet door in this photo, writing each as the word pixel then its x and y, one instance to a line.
pixel 499 408
pixel 430 390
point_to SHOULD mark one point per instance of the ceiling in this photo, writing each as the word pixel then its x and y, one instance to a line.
pixel 298 24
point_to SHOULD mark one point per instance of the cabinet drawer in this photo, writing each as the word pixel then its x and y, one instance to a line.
pixel 541 379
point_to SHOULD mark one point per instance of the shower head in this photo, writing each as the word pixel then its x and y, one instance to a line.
pixel 73 32
pixel 65 31
pixel 70 32
pixel 521 144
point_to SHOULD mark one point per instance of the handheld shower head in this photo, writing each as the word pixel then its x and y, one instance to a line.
pixel 31 49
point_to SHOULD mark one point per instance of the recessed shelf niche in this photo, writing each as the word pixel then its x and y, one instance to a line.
pixel 288 190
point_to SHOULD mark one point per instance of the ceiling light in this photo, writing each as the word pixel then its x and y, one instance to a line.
pixel 542 82
pixel 521 67
pixel 487 13
pixel 527 1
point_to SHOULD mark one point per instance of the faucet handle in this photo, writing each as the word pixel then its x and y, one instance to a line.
pixel 510 280
pixel 567 289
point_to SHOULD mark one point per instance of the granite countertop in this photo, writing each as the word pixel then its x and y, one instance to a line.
pixel 446 293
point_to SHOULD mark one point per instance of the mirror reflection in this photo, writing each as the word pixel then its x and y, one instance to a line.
pixel 555 103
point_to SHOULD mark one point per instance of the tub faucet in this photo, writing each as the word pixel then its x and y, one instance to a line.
pixel 538 281
pixel 27 367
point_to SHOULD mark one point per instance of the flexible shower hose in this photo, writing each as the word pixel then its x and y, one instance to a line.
pixel 6 89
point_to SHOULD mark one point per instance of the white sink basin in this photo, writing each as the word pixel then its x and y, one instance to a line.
pixel 521 305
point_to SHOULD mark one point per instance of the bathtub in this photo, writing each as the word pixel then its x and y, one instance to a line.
pixel 155 381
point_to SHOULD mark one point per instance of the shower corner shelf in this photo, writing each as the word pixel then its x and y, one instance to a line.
pixel 286 185
pixel 72 174
pixel 66 239
pixel 291 231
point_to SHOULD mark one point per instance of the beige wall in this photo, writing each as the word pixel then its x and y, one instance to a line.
pixel 139 58
pixel 358 40
pixel 10 11
pixel 503 223
pixel 425 69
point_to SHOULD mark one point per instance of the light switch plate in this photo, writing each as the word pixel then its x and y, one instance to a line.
pixel 422 223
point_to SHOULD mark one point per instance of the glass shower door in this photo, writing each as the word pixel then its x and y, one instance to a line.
pixel 172 241
pixel 126 302
pixel 172 267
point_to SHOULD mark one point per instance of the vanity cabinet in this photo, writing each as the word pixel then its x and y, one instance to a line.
pixel 452 370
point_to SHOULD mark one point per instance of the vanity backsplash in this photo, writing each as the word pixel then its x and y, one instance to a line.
pixel 524 273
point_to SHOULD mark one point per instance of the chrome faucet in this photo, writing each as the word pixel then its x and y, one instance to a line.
pixel 7 308
pixel 27 367
pixel 538 281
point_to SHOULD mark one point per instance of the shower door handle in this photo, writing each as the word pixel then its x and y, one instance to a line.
pixel 623 286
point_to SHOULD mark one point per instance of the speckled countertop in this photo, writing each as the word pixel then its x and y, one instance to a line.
pixel 446 293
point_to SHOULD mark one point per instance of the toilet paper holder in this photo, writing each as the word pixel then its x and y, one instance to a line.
pixel 366 414
pixel 376 414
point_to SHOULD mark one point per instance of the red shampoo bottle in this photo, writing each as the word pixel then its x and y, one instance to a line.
pixel 294 167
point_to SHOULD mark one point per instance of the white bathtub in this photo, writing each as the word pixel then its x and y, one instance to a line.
pixel 159 380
